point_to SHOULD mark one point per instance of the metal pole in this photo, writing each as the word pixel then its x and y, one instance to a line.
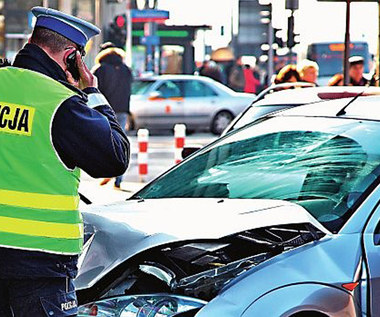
pixel 128 41
pixel 347 44
pixel 270 52
pixel 149 28
pixel 97 39
pixel 65 6
pixel 290 34
pixel 157 59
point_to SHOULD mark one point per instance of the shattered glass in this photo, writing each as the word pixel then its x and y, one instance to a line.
pixel 324 166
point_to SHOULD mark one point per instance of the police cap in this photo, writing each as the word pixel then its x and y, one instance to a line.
pixel 73 28
pixel 354 60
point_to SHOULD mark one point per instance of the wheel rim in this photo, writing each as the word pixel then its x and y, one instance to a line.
pixel 221 121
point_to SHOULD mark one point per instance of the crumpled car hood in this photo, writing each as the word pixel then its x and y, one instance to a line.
pixel 124 229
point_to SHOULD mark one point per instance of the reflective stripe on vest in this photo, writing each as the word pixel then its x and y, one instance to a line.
pixel 36 200
pixel 38 195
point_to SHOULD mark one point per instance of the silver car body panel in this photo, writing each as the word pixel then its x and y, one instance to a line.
pixel 195 112
pixel 341 256
pixel 313 296
pixel 142 227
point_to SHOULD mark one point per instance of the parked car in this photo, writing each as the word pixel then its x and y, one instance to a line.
pixel 276 98
pixel 278 218
pixel 199 102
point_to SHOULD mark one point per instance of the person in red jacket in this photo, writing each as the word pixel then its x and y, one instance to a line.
pixel 251 82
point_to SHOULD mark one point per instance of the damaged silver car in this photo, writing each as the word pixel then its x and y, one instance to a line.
pixel 278 218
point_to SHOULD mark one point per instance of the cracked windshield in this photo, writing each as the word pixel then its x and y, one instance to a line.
pixel 324 170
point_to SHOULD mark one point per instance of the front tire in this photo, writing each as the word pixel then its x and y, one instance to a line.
pixel 221 121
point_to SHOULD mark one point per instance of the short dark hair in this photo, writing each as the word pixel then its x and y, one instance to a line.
pixel 286 73
pixel 50 39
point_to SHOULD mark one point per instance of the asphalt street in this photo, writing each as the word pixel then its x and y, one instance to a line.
pixel 160 159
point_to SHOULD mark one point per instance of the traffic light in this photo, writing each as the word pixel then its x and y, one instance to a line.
pixel 277 37
pixel 292 37
pixel 117 31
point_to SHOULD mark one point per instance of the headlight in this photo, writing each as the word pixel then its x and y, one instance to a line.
pixel 158 305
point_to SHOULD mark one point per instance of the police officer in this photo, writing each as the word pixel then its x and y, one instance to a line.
pixel 53 122
pixel 356 70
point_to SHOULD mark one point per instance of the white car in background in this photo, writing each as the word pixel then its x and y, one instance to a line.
pixel 200 102
pixel 276 98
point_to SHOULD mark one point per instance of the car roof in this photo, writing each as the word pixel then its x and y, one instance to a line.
pixel 364 108
pixel 221 87
pixel 313 94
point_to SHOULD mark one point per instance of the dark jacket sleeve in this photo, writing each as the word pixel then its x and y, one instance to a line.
pixel 90 139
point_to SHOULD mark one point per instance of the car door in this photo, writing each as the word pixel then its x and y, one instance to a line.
pixel 167 107
pixel 371 240
pixel 200 102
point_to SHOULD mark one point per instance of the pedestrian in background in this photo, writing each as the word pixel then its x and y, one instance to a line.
pixel 356 70
pixel 55 121
pixel 211 69
pixel 114 82
pixel 236 79
pixel 288 74
pixel 308 71
pixel 252 84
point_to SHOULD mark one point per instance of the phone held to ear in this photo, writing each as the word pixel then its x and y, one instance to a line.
pixel 72 66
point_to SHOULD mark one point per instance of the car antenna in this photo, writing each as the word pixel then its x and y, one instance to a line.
pixel 343 110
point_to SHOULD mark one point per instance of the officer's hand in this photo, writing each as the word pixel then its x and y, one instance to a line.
pixel 87 79
pixel 71 80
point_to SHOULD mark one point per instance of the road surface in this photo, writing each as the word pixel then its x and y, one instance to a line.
pixel 160 159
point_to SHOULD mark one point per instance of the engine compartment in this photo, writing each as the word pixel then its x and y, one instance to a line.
pixel 199 268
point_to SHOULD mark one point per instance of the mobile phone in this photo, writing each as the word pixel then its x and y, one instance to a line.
pixel 72 66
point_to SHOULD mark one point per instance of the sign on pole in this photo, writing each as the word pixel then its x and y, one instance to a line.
pixel 150 15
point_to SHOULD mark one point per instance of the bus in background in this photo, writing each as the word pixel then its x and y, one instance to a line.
pixel 329 57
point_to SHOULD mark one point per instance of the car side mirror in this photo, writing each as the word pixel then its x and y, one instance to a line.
pixel 188 150
pixel 155 95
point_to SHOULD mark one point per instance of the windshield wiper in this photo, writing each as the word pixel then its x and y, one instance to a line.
pixel 85 199
pixel 139 198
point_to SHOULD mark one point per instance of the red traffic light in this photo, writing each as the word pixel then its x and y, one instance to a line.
pixel 120 21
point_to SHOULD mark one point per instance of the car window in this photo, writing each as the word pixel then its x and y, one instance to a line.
pixel 255 112
pixel 139 87
pixel 170 89
pixel 315 169
pixel 195 88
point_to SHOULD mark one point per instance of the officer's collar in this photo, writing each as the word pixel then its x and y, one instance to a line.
pixel 33 57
